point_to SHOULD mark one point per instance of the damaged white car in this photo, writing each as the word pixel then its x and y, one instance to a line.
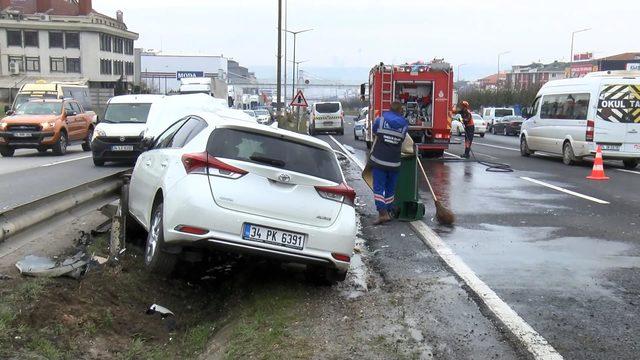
pixel 218 183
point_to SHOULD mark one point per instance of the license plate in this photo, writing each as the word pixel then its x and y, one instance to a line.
pixel 122 148
pixel 22 135
pixel 328 123
pixel 610 147
pixel 273 236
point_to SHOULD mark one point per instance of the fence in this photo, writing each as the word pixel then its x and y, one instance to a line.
pixel 99 99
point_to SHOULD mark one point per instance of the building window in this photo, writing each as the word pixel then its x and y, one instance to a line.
pixel 128 46
pixel 73 65
pixel 118 45
pixel 14 38
pixel 33 64
pixel 31 39
pixel 105 67
pixel 72 40
pixel 56 64
pixel 128 68
pixel 118 68
pixel 56 40
pixel 19 60
pixel 105 42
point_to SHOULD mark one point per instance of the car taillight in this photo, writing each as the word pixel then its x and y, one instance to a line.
pixel 191 230
pixel 203 163
pixel 439 136
pixel 591 127
pixel 341 257
pixel 342 193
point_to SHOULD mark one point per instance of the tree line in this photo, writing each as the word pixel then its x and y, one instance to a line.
pixel 479 98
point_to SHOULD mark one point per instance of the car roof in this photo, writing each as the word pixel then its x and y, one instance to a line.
pixel 217 119
pixel 133 99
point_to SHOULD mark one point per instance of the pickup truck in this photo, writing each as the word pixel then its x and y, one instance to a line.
pixel 46 124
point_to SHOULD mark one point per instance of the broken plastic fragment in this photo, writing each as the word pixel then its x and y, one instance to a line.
pixel 167 316
pixel 39 266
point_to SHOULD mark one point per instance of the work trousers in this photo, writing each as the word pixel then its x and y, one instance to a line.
pixel 384 188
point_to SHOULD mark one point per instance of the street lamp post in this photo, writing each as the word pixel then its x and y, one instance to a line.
pixel 293 83
pixel 279 70
pixel 459 66
pixel 294 76
pixel 572 35
pixel 498 76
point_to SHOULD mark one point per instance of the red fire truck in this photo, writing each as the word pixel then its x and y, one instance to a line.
pixel 426 90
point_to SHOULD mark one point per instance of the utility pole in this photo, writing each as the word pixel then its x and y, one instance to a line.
pixel 571 56
pixel 498 77
pixel 285 46
pixel 293 83
pixel 279 72
pixel 461 65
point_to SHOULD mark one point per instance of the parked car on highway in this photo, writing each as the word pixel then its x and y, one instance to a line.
pixel 363 113
pixel 572 117
pixel 327 117
pixel 214 182
pixel 46 124
pixel 492 114
pixel 359 129
pixel 508 125
pixel 251 113
pixel 457 128
pixel 263 116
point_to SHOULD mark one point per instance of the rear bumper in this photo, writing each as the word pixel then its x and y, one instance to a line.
pixel 37 139
pixel 196 207
pixel 103 151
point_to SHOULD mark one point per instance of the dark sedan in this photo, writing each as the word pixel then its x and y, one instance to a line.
pixel 508 125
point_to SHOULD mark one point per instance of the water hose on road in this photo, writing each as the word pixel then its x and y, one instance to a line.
pixel 492 166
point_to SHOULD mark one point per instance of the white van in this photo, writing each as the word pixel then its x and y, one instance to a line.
pixel 572 117
pixel 326 117
pixel 490 115
pixel 129 119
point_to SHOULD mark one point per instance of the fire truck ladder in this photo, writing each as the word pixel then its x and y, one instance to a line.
pixel 386 97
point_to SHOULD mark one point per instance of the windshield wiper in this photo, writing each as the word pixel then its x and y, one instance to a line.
pixel 266 160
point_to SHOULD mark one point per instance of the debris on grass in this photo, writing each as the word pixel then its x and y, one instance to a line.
pixel 39 266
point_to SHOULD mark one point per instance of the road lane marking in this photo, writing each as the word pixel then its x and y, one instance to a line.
pixel 520 330
pixel 65 161
pixel 454 155
pixel 558 188
pixel 629 171
pixel 533 342
pixel 497 146
pixel 347 153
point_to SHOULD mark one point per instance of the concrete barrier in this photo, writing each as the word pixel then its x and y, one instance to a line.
pixel 24 216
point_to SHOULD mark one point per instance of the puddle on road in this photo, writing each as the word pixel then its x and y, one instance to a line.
pixel 533 257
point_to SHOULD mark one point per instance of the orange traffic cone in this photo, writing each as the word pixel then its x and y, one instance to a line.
pixel 598 167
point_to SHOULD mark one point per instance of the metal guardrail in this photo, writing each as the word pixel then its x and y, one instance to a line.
pixel 21 217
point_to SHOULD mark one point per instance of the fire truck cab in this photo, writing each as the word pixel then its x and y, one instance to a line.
pixel 426 90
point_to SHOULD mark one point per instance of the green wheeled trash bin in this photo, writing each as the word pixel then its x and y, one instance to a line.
pixel 407 202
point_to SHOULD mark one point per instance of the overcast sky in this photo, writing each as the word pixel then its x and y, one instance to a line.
pixel 360 33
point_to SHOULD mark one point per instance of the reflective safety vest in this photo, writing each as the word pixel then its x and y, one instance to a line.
pixel 387 148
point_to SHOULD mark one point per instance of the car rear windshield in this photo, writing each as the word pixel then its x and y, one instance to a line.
pixel 327 108
pixel 40 108
pixel 503 112
pixel 127 113
pixel 262 112
pixel 273 151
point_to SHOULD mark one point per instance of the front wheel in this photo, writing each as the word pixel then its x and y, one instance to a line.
pixel 6 151
pixel 98 162
pixel 630 164
pixel 60 147
pixel 157 260
pixel 86 145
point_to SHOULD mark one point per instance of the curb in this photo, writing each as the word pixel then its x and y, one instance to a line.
pixel 24 216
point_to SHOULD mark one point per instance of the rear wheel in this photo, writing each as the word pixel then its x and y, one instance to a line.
pixel 568 157
pixel 6 151
pixel 524 147
pixel 86 145
pixel 355 136
pixel 155 258
pixel 42 150
pixel 60 147
pixel 630 164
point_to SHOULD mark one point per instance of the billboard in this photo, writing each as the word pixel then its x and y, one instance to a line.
pixel 188 74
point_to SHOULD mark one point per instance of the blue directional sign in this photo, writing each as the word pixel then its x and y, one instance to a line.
pixel 189 74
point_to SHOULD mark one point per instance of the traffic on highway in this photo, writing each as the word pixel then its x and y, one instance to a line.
pixel 406 202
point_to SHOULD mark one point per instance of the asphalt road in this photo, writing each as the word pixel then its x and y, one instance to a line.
pixel 568 263
pixel 29 175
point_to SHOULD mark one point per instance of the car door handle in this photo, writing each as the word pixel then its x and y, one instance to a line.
pixel 164 164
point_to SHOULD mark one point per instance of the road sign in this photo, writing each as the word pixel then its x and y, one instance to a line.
pixel 188 74
pixel 299 100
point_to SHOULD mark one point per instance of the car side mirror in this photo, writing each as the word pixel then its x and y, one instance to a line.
pixel 9 112
pixel 147 143
pixel 70 113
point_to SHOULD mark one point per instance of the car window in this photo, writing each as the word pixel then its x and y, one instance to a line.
pixel 274 151
pixel 487 112
pixel 76 107
pixel 136 113
pixel 164 140
pixel 565 106
pixel 327 108
pixel 504 112
pixel 68 107
pixel 39 108
pixel 188 131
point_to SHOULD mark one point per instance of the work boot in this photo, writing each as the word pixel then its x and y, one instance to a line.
pixel 383 217
pixel 466 153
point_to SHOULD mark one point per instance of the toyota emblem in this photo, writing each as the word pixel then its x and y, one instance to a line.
pixel 284 178
pixel 122 138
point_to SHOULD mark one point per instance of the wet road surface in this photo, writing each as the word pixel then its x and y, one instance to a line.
pixel 567 264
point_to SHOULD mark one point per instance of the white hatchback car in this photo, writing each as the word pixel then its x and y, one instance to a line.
pixel 457 128
pixel 209 181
